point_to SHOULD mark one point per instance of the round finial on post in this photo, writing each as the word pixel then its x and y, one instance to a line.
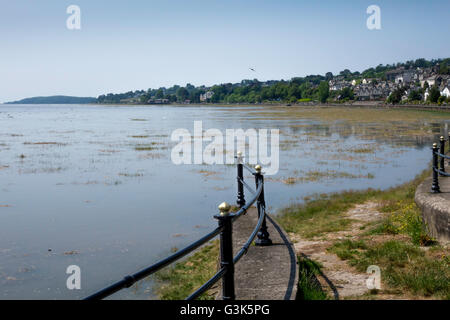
pixel 239 157
pixel 442 138
pixel 434 145
pixel 258 168
pixel 224 209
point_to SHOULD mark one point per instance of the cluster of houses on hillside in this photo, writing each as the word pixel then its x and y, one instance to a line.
pixel 206 96
pixel 407 84
pixel 409 79
pixel 157 101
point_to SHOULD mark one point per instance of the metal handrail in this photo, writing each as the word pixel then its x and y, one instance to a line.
pixel 236 259
pixel 258 196
pixel 243 210
pixel 249 169
pixel 442 155
pixel 252 237
pixel 442 173
pixel 128 281
pixel 438 163
pixel 247 186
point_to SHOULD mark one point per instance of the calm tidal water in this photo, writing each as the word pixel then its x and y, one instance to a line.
pixel 95 186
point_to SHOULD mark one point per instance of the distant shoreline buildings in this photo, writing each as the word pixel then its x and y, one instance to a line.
pixel 418 81
pixel 206 96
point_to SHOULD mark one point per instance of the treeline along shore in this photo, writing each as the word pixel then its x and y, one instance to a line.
pixel 411 83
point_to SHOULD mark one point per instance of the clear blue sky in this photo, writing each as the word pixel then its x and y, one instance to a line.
pixel 129 45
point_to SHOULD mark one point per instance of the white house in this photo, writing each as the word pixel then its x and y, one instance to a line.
pixel 431 81
pixel 337 86
pixel 426 94
pixel 445 92
pixel 405 77
pixel 399 79
pixel 206 96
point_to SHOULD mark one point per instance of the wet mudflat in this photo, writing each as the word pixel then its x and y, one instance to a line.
pixel 95 186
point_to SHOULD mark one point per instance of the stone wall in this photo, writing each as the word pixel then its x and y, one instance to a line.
pixel 435 208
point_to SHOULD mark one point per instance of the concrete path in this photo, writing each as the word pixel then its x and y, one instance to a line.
pixel 264 273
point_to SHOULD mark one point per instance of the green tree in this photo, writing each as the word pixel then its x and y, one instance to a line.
pixel 347 93
pixel 415 96
pixel 421 63
pixel 294 92
pixel 346 73
pixel 182 94
pixel 444 68
pixel 323 91
pixel 144 98
pixel 434 94
pixel 171 97
pixel 396 96
pixel 159 94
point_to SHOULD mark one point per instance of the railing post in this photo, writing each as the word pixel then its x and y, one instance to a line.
pixel 263 234
pixel 226 251
pixel 449 140
pixel 442 151
pixel 240 177
pixel 435 186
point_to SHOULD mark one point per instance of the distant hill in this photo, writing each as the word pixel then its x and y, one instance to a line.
pixel 55 100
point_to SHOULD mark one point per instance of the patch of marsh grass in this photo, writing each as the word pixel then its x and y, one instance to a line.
pixel 314 176
pixel 182 279
pixel 130 175
pixel 363 150
pixel 326 213
pixel 346 249
pixel 309 287
pixel 403 266
pixel 148 146
pixel 402 214
pixel 321 214
pixel 45 143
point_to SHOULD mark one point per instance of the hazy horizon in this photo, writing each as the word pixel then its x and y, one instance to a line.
pixel 151 44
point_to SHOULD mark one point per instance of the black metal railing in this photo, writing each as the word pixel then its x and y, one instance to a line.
pixel 225 229
pixel 439 157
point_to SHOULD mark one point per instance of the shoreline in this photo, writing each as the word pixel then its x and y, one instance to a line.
pixel 381 106
pixel 369 105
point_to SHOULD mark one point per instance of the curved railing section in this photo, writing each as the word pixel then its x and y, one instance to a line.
pixel 438 163
pixel 225 230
